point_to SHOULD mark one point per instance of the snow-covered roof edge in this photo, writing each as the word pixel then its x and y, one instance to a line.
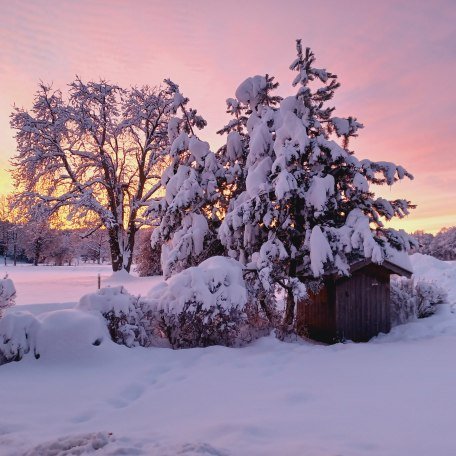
pixel 398 262
pixel 399 258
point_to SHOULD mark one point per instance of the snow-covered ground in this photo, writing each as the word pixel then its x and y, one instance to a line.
pixel 392 396
pixel 45 288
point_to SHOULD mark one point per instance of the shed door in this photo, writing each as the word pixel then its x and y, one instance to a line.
pixel 363 306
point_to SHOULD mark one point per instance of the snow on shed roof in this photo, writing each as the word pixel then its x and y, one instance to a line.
pixel 396 261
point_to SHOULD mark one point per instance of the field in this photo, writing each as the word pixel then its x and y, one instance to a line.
pixel 393 396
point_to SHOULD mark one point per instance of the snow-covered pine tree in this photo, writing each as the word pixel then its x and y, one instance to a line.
pixel 233 154
pixel 307 208
pixel 187 212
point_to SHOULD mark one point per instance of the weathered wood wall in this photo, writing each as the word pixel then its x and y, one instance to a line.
pixel 354 308
pixel 363 305
pixel 316 316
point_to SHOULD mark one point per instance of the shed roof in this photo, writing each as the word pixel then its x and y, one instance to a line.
pixel 396 262
pixel 394 268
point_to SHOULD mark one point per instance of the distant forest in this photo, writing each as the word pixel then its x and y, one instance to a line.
pixel 441 246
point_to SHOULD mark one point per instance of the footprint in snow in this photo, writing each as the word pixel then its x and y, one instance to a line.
pixel 82 417
pixel 128 395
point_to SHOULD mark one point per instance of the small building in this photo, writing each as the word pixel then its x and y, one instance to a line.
pixel 357 307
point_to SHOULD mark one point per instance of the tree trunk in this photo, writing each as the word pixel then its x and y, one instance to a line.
pixel 121 258
pixel 116 255
pixel 288 319
pixel 36 256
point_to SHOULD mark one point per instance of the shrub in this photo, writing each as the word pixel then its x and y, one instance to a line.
pixel 128 321
pixel 7 294
pixel 403 300
pixel 17 336
pixel 411 299
pixel 207 305
pixel 58 335
pixel 428 296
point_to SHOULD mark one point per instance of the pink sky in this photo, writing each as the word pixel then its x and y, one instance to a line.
pixel 396 61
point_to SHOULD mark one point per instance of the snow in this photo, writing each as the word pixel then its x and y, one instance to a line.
pixel 7 294
pixel 249 90
pixel 320 190
pixel 217 281
pixel 44 288
pixel 256 180
pixel 320 251
pixel 345 127
pixel 233 146
pixel 7 290
pixel 69 335
pixel 107 299
pixel 399 258
pixel 393 396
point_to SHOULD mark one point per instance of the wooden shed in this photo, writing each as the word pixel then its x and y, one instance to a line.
pixel 353 308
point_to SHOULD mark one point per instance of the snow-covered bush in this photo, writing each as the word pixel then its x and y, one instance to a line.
pixel 7 294
pixel 411 299
pixel 59 335
pixel 403 300
pixel 206 305
pixel 428 296
pixel 68 334
pixel 17 336
pixel 127 318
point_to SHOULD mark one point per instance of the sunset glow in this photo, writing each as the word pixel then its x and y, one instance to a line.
pixel 395 61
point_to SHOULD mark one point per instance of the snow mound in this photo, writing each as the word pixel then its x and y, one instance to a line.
pixel 120 276
pixel 442 323
pixel 61 335
pixel 72 445
pixel 217 281
pixel 66 335
pixel 432 269
pixel 17 335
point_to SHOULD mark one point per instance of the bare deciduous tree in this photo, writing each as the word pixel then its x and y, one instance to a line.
pixel 96 152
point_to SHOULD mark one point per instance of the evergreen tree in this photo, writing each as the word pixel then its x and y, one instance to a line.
pixel 187 212
pixel 307 208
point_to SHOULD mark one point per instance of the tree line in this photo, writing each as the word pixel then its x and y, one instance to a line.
pixel 442 245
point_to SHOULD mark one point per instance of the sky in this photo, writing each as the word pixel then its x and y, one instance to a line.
pixel 396 61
